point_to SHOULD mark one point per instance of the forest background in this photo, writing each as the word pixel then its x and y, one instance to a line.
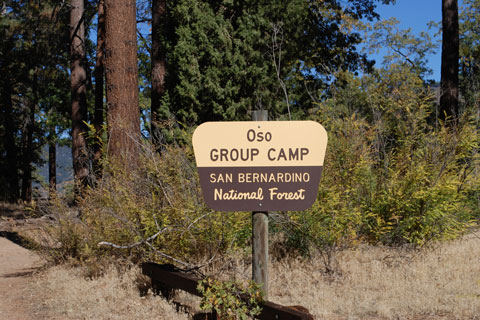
pixel 402 165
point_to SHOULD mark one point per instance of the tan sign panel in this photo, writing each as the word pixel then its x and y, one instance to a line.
pixel 260 165
pixel 259 143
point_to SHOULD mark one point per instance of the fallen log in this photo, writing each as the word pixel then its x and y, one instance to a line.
pixel 167 276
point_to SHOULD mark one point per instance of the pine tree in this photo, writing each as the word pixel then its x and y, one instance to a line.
pixel 227 58
pixel 78 92
pixel 158 56
pixel 470 54
pixel 33 56
pixel 450 61
pixel 10 174
pixel 99 86
pixel 122 80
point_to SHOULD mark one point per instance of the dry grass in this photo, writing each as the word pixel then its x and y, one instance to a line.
pixel 67 294
pixel 382 283
pixel 440 282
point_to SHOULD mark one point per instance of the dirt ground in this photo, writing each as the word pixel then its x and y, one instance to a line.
pixel 17 265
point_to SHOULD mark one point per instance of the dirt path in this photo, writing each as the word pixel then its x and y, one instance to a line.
pixel 17 265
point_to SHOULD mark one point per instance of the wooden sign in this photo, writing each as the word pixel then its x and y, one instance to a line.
pixel 260 165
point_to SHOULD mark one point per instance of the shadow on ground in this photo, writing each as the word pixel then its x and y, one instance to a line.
pixel 15 238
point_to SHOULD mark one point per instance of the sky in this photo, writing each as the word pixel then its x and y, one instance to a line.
pixel 416 14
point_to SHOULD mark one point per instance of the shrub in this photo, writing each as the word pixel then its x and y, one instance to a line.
pixel 155 211
pixel 231 300
pixel 392 174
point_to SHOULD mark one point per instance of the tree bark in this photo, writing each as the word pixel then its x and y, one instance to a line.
pixel 99 72
pixel 121 77
pixel 11 171
pixel 52 168
pixel 26 166
pixel 78 93
pixel 28 146
pixel 158 57
pixel 450 56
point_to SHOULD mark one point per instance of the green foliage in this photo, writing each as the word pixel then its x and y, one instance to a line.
pixel 229 57
pixel 34 64
pixel 389 176
pixel 393 174
pixel 402 46
pixel 230 299
pixel 470 53
pixel 155 211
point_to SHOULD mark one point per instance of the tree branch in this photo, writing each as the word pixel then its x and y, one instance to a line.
pixel 277 47
pixel 133 245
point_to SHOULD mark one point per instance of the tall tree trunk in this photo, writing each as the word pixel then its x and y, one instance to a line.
pixel 26 167
pixel 11 171
pixel 99 71
pixel 450 56
pixel 52 168
pixel 28 146
pixel 122 80
pixel 78 93
pixel 158 66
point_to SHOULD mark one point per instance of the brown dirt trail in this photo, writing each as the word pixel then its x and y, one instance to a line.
pixel 17 266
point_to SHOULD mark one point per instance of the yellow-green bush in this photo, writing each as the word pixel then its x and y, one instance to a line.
pixel 393 174
pixel 159 201
pixel 231 300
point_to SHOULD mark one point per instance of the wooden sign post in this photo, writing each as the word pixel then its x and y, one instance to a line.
pixel 260 166
pixel 260 233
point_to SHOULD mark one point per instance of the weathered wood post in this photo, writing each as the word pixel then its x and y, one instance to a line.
pixel 260 233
